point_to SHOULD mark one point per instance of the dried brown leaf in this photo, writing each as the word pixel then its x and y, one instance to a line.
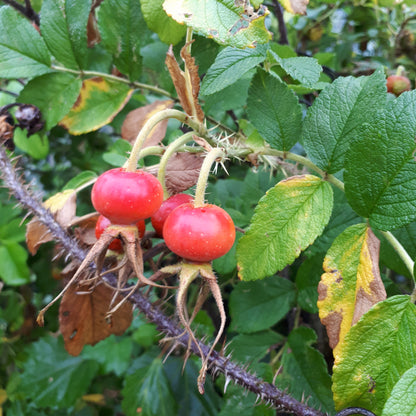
pixel 182 171
pixel 63 206
pixel 82 316
pixel 187 92
pixel 135 120
pixel 295 6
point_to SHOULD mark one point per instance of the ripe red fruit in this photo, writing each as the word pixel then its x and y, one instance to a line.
pixel 115 245
pixel 199 234
pixel 396 84
pixel 168 205
pixel 126 197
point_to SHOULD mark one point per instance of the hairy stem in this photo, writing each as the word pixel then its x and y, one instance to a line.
pixel 131 164
pixel 204 174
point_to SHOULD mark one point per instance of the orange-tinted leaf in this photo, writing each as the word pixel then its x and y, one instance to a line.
pixel 99 102
pixel 351 284
pixel 135 120
pixel 63 206
pixel 187 90
pixel 82 316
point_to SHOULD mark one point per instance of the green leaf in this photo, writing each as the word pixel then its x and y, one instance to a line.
pixel 249 348
pixel 377 351
pixel 57 381
pixel 380 170
pixel 23 53
pixel 183 383
pixel 255 306
pixel 55 32
pixel 77 14
pixel 304 69
pixel 402 400
pixel 229 66
pixel 36 145
pixel 14 270
pixel 342 217
pixel 287 220
pixel 305 371
pixel 113 353
pixel 148 388
pixel 221 20
pixel 307 279
pixel 337 115
pixel 80 180
pixel 99 102
pixel 122 29
pixel 13 230
pixel 275 111
pixel 232 97
pixel 54 94
pixel 158 21
pixel 238 403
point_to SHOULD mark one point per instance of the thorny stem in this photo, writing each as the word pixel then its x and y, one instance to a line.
pixel 170 150
pixel 131 164
pixel 355 411
pixel 210 158
pixel 217 363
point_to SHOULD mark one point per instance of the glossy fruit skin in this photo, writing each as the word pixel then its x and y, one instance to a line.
pixel 168 205
pixel 115 245
pixel 396 84
pixel 199 234
pixel 126 197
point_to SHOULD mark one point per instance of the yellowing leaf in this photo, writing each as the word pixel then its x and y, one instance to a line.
pixel 351 284
pixel 99 102
pixel 295 6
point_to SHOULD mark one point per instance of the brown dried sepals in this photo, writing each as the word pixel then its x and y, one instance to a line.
pixel 187 83
pixel 188 272
pixel 130 264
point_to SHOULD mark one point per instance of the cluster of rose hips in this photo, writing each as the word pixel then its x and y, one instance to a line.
pixel 195 233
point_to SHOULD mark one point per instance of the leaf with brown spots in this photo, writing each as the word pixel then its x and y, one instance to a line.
pixel 186 83
pixel 135 120
pixel 351 284
pixel 99 101
pixel 63 206
pixel 82 316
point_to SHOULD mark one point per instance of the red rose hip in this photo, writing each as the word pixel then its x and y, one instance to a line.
pixel 126 197
pixel 199 234
pixel 168 205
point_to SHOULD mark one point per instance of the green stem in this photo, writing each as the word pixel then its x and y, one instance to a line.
pixel 305 162
pixel 407 260
pixel 210 158
pixel 131 163
pixel 114 78
pixel 170 150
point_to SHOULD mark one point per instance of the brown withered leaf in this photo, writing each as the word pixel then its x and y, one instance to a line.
pixel 187 93
pixel 85 228
pixel 63 206
pixel 182 171
pixel 82 316
pixel 93 33
pixel 135 120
